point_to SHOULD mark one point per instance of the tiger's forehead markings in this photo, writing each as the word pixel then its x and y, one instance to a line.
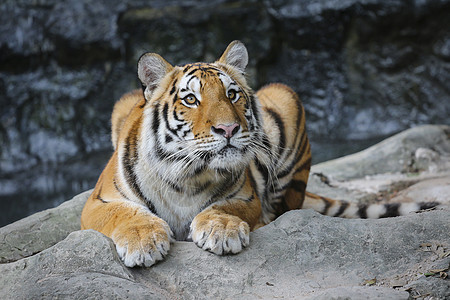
pixel 203 68
pixel 195 71
pixel 194 76
pixel 190 84
pixel 227 81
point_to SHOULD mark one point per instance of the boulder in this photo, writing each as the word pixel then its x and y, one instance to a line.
pixel 301 255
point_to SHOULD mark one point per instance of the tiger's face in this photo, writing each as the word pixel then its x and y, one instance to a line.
pixel 204 116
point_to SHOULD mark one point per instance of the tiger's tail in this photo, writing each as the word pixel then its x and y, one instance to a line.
pixel 350 210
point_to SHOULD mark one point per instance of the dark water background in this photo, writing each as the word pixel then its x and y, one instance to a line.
pixel 363 69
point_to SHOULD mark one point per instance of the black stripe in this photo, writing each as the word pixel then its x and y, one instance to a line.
pixel 265 174
pixel 174 88
pixel 155 123
pixel 280 124
pixel 287 170
pixel 176 117
pixel 98 197
pixel 391 210
pixel 174 186
pixel 298 186
pixel 255 109
pixel 101 199
pixel 327 206
pixel 342 208
pixel 149 204
pixel 279 207
pixel 239 189
pixel 228 183
pixel 190 73
pixel 362 211
pixel 119 189
pixel 159 151
pixel 219 194
pixel 304 142
pixel 262 168
pixel 201 189
pixel 209 69
pixel 184 133
pixel 428 205
pixel 129 161
pixel 302 167
pixel 165 115
pixel 250 199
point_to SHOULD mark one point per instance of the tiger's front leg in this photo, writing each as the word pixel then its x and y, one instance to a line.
pixel 225 227
pixel 141 238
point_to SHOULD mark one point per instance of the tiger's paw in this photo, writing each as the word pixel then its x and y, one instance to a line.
pixel 220 234
pixel 142 243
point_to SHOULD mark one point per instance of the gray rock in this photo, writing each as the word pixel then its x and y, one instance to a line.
pixel 357 292
pixel 429 190
pixel 83 266
pixel 40 231
pixel 395 154
pixel 300 255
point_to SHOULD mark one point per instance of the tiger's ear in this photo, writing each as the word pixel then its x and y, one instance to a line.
pixel 151 70
pixel 235 55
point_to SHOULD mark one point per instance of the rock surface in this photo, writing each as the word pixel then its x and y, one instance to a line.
pixel 363 69
pixel 41 230
pixel 300 255
pixel 415 155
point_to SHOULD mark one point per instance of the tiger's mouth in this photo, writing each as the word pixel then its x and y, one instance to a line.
pixel 227 147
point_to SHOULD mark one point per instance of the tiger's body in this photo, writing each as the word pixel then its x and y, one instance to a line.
pixel 200 156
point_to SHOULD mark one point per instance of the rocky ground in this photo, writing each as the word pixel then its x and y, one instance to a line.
pixel 300 255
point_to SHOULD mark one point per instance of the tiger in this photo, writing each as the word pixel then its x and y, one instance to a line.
pixel 199 156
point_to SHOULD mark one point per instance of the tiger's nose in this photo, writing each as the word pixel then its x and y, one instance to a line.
pixel 226 131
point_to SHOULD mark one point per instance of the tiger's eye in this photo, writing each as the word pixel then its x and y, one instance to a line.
pixel 232 94
pixel 190 99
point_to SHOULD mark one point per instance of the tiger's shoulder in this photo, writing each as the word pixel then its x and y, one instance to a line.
pixel 126 110
pixel 277 91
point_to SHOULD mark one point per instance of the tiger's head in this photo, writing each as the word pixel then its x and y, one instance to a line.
pixel 201 116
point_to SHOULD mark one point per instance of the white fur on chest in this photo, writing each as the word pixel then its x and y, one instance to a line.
pixel 177 209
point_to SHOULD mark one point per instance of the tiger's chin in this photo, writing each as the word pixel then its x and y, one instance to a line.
pixel 230 158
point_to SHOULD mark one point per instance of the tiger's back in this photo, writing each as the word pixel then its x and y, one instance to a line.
pixel 284 184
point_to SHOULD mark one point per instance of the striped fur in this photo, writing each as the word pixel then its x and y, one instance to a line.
pixel 344 209
pixel 198 155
